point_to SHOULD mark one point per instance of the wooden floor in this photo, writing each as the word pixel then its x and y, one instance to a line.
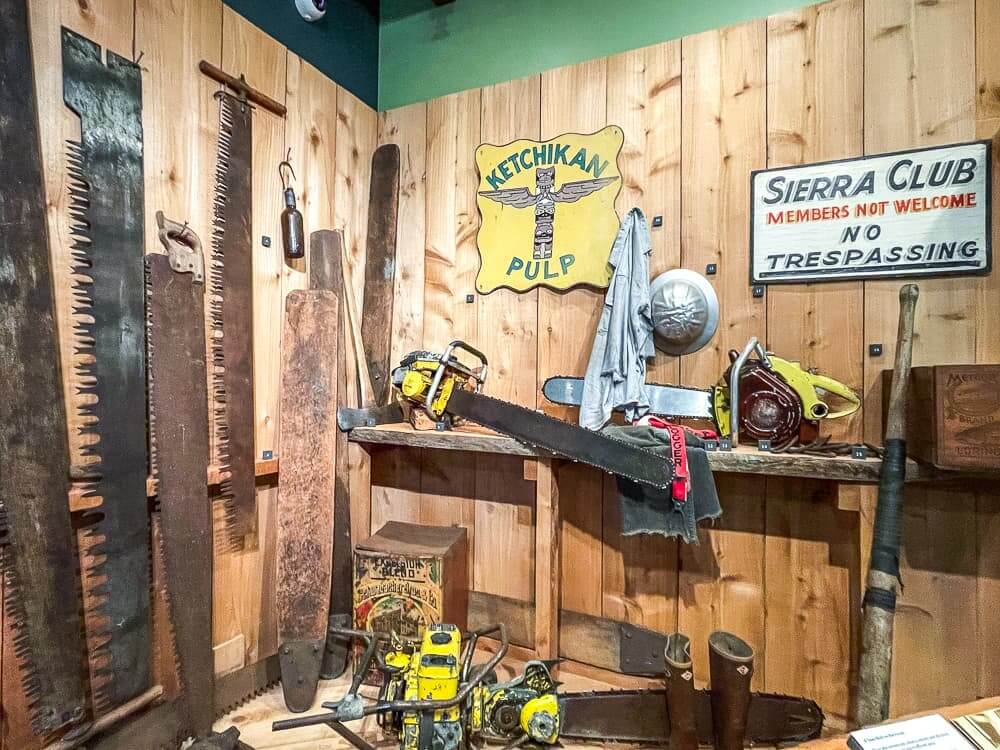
pixel 254 719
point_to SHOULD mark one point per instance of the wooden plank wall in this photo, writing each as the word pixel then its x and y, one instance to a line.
pixel 784 566
pixel 331 135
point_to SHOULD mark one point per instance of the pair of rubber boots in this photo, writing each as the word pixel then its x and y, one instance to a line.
pixel 731 667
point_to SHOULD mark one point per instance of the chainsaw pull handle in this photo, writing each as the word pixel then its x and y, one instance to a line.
pixel 829 385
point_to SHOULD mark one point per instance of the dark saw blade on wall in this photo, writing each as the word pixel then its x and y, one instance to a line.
pixel 37 549
pixel 380 269
pixel 326 249
pixel 178 421
pixel 231 289
pixel 106 191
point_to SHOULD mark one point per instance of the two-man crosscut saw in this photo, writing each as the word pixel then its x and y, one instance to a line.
pixel 231 306
pixel 178 421
pixel 106 191
pixel 308 436
pixel 36 539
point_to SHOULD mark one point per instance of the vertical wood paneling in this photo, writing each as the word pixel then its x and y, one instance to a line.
pixel 721 581
pixel 450 265
pixel 919 92
pixel 356 137
pixel 814 88
pixel 507 325
pixel 644 99
pixel 574 99
pixel 988 350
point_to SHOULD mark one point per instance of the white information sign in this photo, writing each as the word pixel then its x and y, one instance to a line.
pixel 924 212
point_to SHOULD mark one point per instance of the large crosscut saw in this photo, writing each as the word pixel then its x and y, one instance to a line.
pixel 231 289
pixel 178 421
pixel 37 553
pixel 106 190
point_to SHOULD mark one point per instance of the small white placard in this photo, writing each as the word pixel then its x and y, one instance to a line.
pixel 913 213
pixel 932 732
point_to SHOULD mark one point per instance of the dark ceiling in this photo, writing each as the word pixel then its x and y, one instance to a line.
pixel 396 8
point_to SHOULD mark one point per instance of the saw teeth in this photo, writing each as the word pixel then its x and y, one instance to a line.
pixel 153 458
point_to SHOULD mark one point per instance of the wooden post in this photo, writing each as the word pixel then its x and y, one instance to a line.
pixel 548 576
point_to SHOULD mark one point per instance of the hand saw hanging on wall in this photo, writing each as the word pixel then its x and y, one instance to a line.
pixel 38 555
pixel 107 211
pixel 178 422
pixel 231 287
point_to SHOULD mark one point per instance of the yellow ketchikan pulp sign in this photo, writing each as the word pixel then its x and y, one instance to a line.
pixel 548 211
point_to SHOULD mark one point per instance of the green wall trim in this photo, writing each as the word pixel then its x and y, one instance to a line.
pixel 343 45
pixel 427 51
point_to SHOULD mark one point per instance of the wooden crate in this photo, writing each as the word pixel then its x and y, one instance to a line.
pixel 407 576
pixel 953 415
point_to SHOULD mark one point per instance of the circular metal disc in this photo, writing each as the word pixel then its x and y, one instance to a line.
pixel 685 311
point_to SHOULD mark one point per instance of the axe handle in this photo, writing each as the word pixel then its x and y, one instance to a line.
pixel 872 699
pixel 366 392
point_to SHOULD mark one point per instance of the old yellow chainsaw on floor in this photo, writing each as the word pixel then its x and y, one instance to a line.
pixel 433 697
pixel 760 397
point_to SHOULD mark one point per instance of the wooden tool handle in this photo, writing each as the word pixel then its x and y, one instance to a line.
pixel 241 87
pixel 366 393
pixel 895 428
pixel 875 670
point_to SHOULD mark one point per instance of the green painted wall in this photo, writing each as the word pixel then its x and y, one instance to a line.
pixel 427 51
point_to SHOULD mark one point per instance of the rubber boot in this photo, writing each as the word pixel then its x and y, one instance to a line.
pixel 680 692
pixel 731 667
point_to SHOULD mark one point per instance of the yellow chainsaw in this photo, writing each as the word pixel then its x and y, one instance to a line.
pixel 764 396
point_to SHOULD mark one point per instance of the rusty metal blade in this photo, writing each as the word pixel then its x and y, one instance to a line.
pixel 37 553
pixel 326 272
pixel 231 287
pixel 236 688
pixel 308 435
pixel 641 716
pixel 107 210
pixel 380 268
pixel 178 408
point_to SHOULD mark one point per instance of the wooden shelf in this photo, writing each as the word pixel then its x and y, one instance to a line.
pixel 77 501
pixel 743 460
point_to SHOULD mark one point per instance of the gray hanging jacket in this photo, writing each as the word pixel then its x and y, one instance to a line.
pixel 616 373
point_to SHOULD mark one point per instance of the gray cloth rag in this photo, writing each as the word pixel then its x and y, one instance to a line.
pixel 648 510
pixel 616 372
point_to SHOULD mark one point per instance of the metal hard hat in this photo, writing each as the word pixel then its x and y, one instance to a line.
pixel 685 311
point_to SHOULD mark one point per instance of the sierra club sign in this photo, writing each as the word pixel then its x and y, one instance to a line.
pixel 548 211
pixel 924 212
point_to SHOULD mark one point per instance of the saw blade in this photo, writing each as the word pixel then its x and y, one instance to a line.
pixel 308 436
pixel 37 552
pixel 232 317
pixel 107 213
pixel 326 252
pixel 664 400
pixel 178 409
pixel 236 688
pixel 641 716
pixel 562 438
pixel 380 268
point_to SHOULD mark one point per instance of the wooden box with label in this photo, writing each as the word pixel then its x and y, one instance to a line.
pixel 953 415
pixel 407 576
